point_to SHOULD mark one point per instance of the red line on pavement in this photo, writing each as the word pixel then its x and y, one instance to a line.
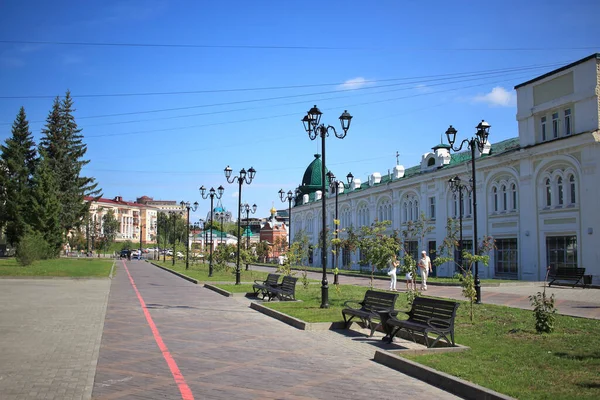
pixel 184 389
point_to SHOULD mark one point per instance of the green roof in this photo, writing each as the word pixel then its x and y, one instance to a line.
pixel 311 181
pixel 504 146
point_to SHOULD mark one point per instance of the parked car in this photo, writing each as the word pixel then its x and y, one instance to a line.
pixel 180 255
pixel 123 254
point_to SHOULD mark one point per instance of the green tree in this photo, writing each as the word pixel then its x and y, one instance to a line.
pixel 262 251
pixel 348 241
pixel 44 206
pixel 446 254
pixel 18 162
pixel 377 247
pixel 63 145
pixel 110 228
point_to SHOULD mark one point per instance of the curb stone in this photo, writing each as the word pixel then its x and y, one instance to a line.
pixel 449 383
pixel 179 274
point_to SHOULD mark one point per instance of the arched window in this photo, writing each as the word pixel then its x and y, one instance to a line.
pixel 410 210
pixel 495 198
pixel 560 191
pixel 416 216
pixel 455 204
pixel 405 212
pixel 504 198
pixel 431 162
pixel 513 191
pixel 548 193
pixel 470 200
pixel 572 199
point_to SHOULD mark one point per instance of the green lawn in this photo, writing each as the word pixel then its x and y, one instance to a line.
pixel 506 354
pixel 199 271
pixel 67 267
pixel 383 275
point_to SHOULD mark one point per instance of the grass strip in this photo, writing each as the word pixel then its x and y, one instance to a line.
pixel 506 355
pixel 58 267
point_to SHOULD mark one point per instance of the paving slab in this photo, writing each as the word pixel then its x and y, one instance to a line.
pixel 223 349
pixel 50 332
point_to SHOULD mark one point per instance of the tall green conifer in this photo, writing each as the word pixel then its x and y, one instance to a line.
pixel 18 162
pixel 63 145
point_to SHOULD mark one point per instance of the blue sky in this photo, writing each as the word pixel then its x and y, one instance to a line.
pixel 404 70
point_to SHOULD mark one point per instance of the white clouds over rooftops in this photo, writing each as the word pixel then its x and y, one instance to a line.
pixel 498 97
pixel 353 83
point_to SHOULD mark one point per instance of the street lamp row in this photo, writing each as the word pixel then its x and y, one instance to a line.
pixel 478 141
pixel 187 206
pixel 314 128
pixel 335 185
pixel 212 193
pixel 243 177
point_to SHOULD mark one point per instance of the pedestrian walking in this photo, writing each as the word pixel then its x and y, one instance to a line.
pixel 424 269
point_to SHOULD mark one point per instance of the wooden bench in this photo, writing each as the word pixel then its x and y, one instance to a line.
pixel 425 316
pixel 370 308
pixel 284 291
pixel 260 287
pixel 567 274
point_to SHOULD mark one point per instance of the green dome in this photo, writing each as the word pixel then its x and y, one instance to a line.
pixel 311 181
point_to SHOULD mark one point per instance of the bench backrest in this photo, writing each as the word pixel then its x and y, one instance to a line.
pixel 288 285
pixel 272 280
pixel 375 300
pixel 568 272
pixel 424 308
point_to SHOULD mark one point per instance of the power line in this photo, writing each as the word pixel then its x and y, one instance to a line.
pixel 304 86
pixel 290 114
pixel 287 47
pixel 443 77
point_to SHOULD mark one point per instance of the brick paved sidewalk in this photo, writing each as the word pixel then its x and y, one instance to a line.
pixel 50 331
pixel 225 350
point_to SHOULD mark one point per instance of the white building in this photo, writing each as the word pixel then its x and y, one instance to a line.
pixel 537 194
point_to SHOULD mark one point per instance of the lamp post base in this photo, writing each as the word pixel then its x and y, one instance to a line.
pixel 238 276
pixel 324 294
pixel 477 290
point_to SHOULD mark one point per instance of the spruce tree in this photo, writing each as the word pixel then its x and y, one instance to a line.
pixel 18 163
pixel 45 206
pixel 63 145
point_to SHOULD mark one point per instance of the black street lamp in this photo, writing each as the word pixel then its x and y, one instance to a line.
pixel 221 217
pixel 246 208
pixel 175 214
pixel 243 177
pixel 478 141
pixel 457 185
pixel 212 194
pixel 288 197
pixel 315 129
pixel 335 186
pixel 193 207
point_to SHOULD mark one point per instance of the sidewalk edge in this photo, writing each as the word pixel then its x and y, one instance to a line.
pixel 179 274
pixel 449 383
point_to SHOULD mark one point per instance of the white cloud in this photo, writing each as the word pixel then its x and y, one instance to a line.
pixel 498 97
pixel 353 83
pixel 423 88
pixel 235 194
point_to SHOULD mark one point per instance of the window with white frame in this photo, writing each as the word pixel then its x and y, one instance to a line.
pixel 513 195
pixel 572 189
pixel 432 207
pixel 559 187
pixel 504 198
pixel 495 196
pixel 384 210
pixel 410 208
pixel 543 129
pixel 363 215
pixel 548 193
pixel 555 124
pixel 345 216
pixel 567 121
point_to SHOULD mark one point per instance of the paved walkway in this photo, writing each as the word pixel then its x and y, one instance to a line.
pixel 50 331
pixel 190 343
pixel 578 302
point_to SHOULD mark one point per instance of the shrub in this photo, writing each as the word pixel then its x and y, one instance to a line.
pixel 32 247
pixel 544 310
